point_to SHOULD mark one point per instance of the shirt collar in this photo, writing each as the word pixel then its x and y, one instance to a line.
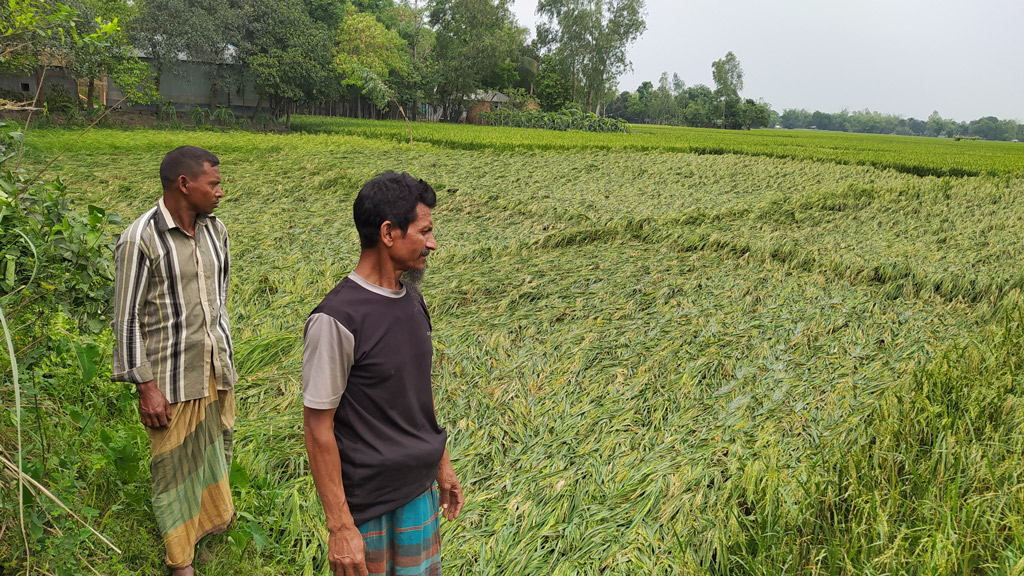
pixel 165 222
pixel 376 289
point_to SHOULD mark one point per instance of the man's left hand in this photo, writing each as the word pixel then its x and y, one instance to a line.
pixel 449 491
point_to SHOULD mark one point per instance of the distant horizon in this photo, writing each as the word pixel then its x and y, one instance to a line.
pixel 905 59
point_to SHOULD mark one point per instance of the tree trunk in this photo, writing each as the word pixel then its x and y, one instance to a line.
pixel 89 93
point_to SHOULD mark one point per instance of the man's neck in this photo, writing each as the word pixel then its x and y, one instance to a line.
pixel 183 216
pixel 378 271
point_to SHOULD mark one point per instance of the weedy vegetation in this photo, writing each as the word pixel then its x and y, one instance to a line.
pixel 674 351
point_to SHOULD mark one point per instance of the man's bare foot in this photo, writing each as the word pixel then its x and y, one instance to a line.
pixel 186 571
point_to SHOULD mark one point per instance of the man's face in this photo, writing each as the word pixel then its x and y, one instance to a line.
pixel 203 192
pixel 410 250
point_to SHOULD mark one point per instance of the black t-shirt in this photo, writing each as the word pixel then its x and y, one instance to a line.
pixel 368 352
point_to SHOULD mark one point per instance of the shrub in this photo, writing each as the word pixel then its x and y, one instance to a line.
pixel 569 118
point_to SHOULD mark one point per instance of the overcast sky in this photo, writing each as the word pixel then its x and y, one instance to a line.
pixel 964 58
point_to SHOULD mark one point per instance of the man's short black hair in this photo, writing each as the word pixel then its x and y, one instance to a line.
pixel 389 196
pixel 187 160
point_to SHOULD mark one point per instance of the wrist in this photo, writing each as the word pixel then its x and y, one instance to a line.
pixel 342 521
pixel 341 527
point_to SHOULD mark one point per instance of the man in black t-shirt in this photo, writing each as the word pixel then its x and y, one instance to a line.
pixel 376 452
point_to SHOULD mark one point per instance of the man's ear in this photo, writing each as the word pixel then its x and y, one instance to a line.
pixel 183 183
pixel 387 231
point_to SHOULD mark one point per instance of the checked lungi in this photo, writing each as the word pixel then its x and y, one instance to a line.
pixel 191 461
pixel 407 541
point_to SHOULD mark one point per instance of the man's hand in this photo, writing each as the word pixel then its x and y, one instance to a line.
pixel 346 551
pixel 154 408
pixel 449 491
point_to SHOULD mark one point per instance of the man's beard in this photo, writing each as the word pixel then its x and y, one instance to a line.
pixel 414 276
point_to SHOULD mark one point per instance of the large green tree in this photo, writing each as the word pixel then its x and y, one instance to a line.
pixel 114 58
pixel 728 76
pixel 289 54
pixel 477 46
pixel 366 54
pixel 553 84
pixel 204 31
pixel 591 38
pixel 35 34
pixel 415 82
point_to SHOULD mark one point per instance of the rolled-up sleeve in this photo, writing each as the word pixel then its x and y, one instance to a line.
pixel 131 283
pixel 327 356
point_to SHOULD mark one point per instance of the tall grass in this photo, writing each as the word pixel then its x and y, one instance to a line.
pixel 648 363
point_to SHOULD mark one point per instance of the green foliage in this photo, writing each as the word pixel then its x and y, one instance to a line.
pixel 939 158
pixel 570 118
pixel 198 116
pixel 59 100
pixel 868 122
pixel 590 39
pixel 224 117
pixel 56 274
pixel 55 258
pixel 365 47
pixel 288 53
pixel 167 111
pixel 28 27
pixel 554 89
pixel 476 47
pixel 672 351
pixel 114 57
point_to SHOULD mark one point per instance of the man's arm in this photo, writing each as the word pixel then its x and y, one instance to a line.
pixel 327 357
pixel 449 491
pixel 131 284
pixel 346 550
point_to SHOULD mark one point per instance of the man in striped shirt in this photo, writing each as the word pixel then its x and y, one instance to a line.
pixel 172 340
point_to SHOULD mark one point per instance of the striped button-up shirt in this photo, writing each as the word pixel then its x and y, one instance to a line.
pixel 170 315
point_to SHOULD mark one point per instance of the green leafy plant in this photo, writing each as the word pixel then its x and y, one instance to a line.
pixel 199 116
pixel 167 112
pixel 55 291
pixel 223 116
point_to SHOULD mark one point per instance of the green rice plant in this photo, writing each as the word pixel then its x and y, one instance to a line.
pixel 909 155
pixel 671 351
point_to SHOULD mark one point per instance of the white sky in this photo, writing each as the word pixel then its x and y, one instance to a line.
pixel 905 57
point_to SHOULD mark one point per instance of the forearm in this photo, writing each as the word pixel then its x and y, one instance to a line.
pixel 445 466
pixel 325 466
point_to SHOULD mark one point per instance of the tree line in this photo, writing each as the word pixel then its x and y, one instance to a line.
pixel 674 103
pixel 383 58
pixel 868 122
pixel 350 57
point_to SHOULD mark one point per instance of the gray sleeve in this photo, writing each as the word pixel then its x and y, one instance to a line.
pixel 327 355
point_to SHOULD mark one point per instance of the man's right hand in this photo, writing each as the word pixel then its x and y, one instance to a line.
pixel 154 408
pixel 346 552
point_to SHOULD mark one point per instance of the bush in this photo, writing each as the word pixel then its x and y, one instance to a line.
pixel 569 118
pixel 59 100
pixel 56 286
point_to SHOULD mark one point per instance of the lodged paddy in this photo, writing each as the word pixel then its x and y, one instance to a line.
pixel 672 352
